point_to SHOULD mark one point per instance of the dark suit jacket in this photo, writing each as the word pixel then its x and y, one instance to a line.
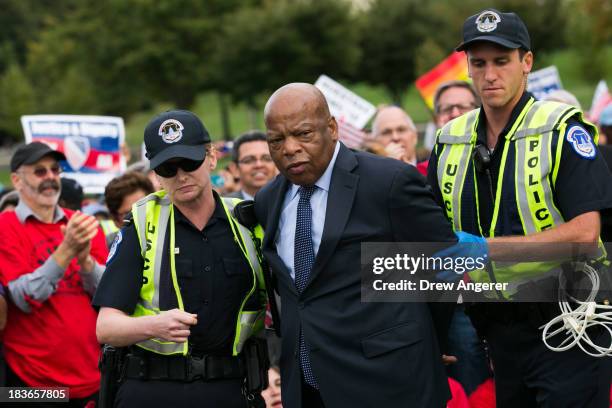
pixel 363 354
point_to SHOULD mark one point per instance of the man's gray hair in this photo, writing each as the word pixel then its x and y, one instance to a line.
pixel 383 108
pixel 453 84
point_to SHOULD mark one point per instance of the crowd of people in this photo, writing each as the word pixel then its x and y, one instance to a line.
pixel 182 275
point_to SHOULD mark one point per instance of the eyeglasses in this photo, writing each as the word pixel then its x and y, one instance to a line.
pixel 169 169
pixel 252 159
pixel 41 171
pixel 448 109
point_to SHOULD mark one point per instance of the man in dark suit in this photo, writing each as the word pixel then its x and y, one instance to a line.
pixel 336 350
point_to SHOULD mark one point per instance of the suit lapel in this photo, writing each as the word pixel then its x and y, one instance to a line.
pixel 277 196
pixel 342 190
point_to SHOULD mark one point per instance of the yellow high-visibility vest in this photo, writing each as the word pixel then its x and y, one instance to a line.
pixel 108 227
pixel 152 216
pixel 535 175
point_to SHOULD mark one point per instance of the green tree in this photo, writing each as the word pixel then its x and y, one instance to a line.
pixel 22 20
pixel 17 98
pixel 261 49
pixel 135 53
pixel 589 31
pixel 391 31
pixel 74 93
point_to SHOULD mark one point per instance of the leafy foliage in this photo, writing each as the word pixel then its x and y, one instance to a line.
pixel 121 57
pixel 261 49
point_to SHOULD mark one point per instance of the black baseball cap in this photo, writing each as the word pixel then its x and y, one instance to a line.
pixel 72 194
pixel 176 133
pixel 505 29
pixel 33 152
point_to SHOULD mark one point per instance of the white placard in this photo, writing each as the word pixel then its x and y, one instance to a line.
pixel 345 105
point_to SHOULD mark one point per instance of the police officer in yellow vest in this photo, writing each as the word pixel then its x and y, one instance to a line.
pixel 518 171
pixel 183 286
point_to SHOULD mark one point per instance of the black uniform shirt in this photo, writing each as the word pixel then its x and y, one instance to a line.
pixel 213 276
pixel 582 184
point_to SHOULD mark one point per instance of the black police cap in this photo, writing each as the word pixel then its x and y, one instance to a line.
pixel 505 29
pixel 33 152
pixel 175 134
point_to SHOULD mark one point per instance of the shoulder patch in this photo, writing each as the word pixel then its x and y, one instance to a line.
pixel 113 249
pixel 581 142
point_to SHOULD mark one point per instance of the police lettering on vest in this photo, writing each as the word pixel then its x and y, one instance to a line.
pixel 532 136
pixel 152 217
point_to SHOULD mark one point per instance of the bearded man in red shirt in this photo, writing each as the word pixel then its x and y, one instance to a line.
pixel 51 260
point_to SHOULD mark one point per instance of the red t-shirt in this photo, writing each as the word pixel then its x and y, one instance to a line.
pixel 459 399
pixel 55 344
pixel 484 395
pixel 422 167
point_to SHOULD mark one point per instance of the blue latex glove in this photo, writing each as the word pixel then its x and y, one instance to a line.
pixel 469 246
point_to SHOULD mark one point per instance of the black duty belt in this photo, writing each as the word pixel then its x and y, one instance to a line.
pixel 189 368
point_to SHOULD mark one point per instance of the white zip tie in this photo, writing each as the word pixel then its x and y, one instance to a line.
pixel 575 322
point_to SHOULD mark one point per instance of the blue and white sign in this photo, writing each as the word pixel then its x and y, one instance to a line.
pixel 92 145
pixel 543 81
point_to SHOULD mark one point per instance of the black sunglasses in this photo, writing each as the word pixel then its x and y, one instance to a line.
pixel 169 169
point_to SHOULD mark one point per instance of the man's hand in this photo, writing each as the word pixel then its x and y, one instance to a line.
pixel 173 325
pixel 395 151
pixel 78 233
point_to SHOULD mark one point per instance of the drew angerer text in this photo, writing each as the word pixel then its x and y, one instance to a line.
pixel 426 285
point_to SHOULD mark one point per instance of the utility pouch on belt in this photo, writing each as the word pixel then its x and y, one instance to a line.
pixel 256 361
pixel 110 365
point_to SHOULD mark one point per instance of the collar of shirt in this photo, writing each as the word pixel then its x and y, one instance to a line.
pixel 23 212
pixel 218 214
pixel 481 129
pixel 324 181
pixel 247 196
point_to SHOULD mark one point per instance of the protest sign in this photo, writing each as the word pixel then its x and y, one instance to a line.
pixel 345 105
pixel 92 145
pixel 543 81
pixel 351 111
pixel 601 99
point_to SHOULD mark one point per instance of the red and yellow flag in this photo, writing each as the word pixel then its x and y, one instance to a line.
pixel 452 68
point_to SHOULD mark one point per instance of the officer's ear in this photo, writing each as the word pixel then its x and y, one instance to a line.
pixel 211 154
pixel 527 61
pixel 467 57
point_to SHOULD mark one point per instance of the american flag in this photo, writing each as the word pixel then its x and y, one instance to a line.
pixel 350 135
